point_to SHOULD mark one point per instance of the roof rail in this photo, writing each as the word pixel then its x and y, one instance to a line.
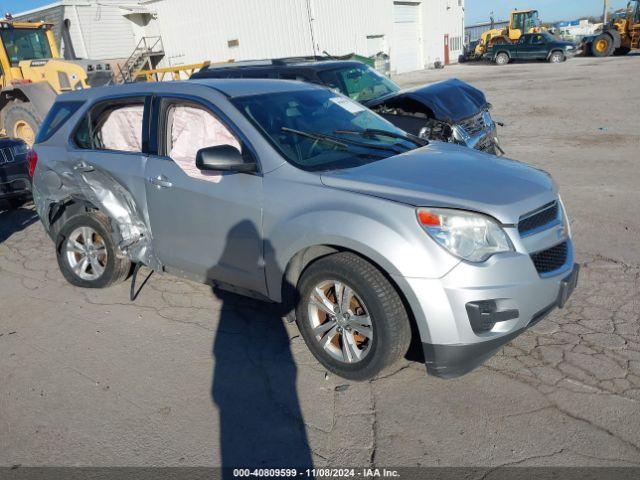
pixel 309 58
pixel 274 61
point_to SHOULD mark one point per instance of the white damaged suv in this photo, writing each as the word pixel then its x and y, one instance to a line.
pixel 295 194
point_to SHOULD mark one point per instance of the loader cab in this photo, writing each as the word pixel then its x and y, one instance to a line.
pixel 523 22
pixel 25 44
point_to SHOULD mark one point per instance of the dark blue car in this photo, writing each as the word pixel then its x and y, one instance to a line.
pixel 451 111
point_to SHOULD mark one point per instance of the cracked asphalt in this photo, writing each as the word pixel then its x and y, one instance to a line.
pixel 190 376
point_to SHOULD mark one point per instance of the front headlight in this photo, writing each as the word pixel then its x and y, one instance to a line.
pixel 470 236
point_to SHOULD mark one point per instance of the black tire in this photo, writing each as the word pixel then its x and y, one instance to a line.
pixel 389 318
pixel 602 45
pixel 619 52
pixel 502 59
pixel 17 113
pixel 116 268
pixel 556 57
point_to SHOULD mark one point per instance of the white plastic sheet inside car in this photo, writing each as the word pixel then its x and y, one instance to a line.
pixel 191 130
pixel 122 130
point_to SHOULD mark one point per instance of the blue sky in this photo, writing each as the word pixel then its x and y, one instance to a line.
pixel 15 6
pixel 476 10
pixel 550 10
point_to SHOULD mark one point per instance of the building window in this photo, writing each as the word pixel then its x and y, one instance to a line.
pixel 455 43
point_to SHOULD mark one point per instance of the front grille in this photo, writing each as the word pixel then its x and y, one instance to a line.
pixel 551 259
pixel 539 218
pixel 6 155
pixel 474 125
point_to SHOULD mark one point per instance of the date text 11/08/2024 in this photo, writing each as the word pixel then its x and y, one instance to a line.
pixel 316 472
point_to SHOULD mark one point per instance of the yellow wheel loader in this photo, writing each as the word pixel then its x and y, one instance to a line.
pixel 32 74
pixel 618 37
pixel 520 22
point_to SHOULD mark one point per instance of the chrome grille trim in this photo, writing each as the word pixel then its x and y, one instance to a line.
pixel 6 155
pixel 540 219
pixel 474 125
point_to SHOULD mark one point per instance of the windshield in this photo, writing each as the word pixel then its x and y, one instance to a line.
pixel 25 44
pixel 360 83
pixel 320 130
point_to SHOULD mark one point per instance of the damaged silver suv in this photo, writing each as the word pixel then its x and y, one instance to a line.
pixel 295 194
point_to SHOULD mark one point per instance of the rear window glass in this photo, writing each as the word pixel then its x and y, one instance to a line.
pixel 59 113
pixel 114 125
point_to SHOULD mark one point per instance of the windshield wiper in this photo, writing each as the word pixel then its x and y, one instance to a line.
pixel 342 142
pixel 374 132
pixel 315 136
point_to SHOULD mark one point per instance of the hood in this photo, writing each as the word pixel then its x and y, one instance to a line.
pixel 445 175
pixel 450 101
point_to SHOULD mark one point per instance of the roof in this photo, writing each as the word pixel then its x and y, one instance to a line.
pixel 320 63
pixel 234 87
pixel 230 87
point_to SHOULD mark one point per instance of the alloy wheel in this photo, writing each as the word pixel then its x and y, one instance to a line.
pixel 340 321
pixel 86 253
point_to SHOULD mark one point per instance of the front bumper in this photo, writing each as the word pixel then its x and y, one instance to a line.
pixel 450 361
pixel 468 314
pixel 479 133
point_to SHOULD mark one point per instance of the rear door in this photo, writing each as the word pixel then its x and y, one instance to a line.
pixel 205 225
pixel 107 150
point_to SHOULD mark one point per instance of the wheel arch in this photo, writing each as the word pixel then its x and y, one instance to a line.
pixel 60 212
pixel 305 257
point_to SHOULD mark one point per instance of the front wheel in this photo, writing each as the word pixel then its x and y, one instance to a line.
pixel 351 317
pixel 87 254
pixel 556 57
pixel 502 59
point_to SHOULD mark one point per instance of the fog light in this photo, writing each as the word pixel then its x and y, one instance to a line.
pixel 484 315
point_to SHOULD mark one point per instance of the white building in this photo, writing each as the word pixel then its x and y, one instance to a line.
pixel 416 34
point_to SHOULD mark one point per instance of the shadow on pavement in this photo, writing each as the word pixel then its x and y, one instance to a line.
pixel 254 380
pixel 13 220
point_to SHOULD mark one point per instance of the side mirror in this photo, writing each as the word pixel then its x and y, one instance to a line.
pixel 223 158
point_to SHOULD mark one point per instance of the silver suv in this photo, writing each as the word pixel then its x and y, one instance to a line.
pixel 295 194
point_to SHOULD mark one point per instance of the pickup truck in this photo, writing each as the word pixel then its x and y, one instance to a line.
pixel 531 46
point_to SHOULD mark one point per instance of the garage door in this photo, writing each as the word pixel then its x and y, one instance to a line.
pixel 406 50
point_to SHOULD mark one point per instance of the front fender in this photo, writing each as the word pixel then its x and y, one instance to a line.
pixel 393 241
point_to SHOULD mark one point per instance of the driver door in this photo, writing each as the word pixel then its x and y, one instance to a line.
pixel 205 225
pixel 538 47
pixel 525 48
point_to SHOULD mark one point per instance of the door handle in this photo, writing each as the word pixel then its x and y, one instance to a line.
pixel 83 167
pixel 160 181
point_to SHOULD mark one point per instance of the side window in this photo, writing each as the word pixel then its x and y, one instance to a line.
pixel 190 128
pixel 333 80
pixel 291 76
pixel 256 74
pixel 114 125
pixel 538 40
pixel 57 116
